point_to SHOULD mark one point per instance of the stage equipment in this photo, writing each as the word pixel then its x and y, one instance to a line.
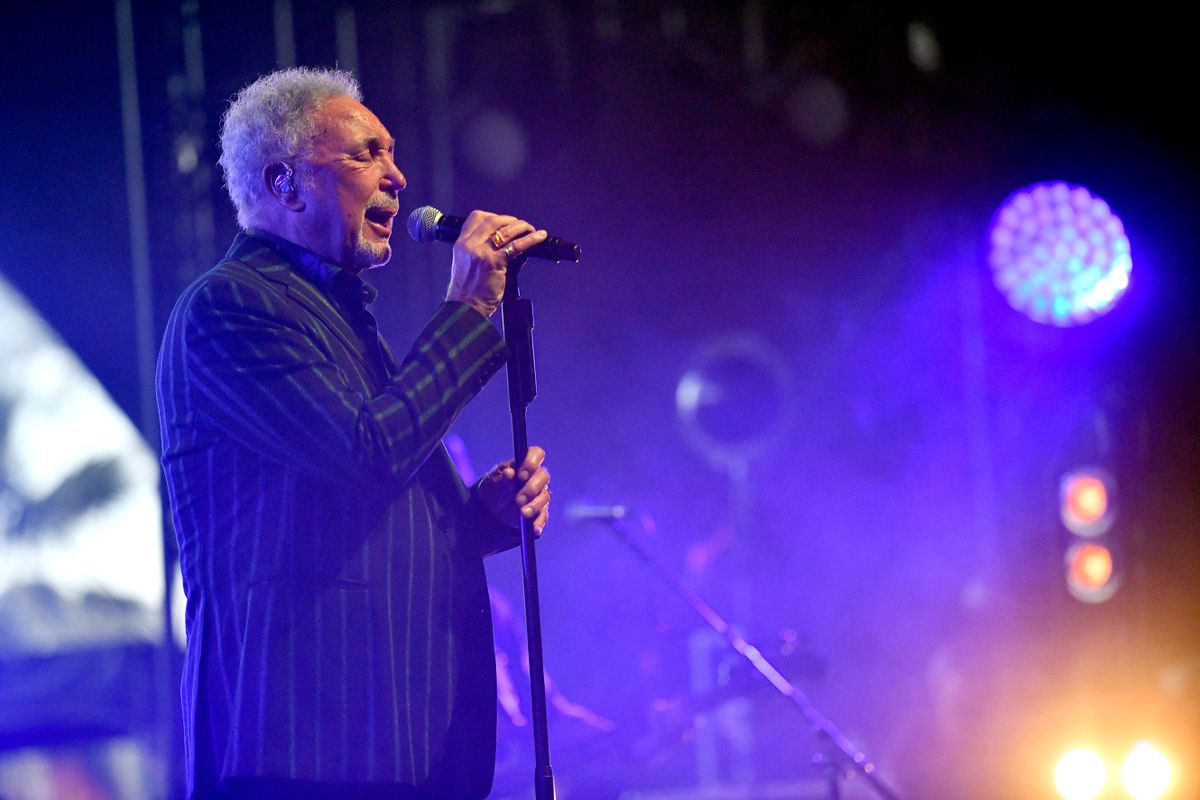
pixel 732 400
pixel 1090 575
pixel 841 755
pixel 427 224
pixel 517 316
pixel 1058 254
pixel 511 660
pixel 732 403
pixel 1085 502
pixel 1080 775
pixel 1087 509
pixel 1146 773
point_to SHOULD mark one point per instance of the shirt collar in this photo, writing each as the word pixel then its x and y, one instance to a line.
pixel 331 278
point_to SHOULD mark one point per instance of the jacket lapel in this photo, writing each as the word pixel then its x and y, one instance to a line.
pixel 275 268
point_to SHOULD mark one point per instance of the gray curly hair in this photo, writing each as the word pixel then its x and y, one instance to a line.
pixel 272 120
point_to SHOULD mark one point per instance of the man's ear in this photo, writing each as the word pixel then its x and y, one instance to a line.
pixel 280 182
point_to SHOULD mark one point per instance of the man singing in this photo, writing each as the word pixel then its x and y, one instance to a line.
pixel 338 632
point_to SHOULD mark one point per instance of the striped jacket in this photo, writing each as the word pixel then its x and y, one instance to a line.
pixel 338 629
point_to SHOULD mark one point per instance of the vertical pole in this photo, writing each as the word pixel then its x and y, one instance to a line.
pixel 347 38
pixel 439 31
pixel 139 236
pixel 197 177
pixel 517 315
pixel 285 34
pixel 167 736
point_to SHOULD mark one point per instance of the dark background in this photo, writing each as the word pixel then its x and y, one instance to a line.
pixel 902 526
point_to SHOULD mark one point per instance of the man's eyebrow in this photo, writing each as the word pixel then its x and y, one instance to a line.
pixel 374 142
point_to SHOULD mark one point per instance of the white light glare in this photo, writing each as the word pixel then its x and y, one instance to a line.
pixel 1079 775
pixel 1146 772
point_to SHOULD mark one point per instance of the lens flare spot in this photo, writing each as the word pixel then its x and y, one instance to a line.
pixel 1146 773
pixel 1080 775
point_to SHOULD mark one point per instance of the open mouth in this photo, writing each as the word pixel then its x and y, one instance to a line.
pixel 381 219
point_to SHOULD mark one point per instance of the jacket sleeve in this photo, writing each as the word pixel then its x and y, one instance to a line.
pixel 492 534
pixel 269 380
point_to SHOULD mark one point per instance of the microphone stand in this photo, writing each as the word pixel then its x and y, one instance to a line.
pixel 831 738
pixel 517 318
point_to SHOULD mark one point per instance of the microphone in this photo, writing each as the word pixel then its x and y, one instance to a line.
pixel 427 224
pixel 585 512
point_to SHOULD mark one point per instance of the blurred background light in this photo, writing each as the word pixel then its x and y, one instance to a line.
pixel 924 50
pixel 1058 254
pixel 1079 775
pixel 496 145
pixel 1146 773
pixel 1090 572
pixel 733 400
pixel 81 576
pixel 187 155
pixel 818 110
pixel 1085 502
pixel 80 516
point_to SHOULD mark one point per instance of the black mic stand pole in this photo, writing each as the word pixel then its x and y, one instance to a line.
pixel 517 316
pixel 827 732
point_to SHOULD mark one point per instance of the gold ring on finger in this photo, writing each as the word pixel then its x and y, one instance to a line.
pixel 510 250
pixel 497 239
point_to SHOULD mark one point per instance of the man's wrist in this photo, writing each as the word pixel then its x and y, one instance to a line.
pixel 484 310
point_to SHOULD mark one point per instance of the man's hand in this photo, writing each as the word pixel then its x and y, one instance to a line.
pixel 511 493
pixel 487 244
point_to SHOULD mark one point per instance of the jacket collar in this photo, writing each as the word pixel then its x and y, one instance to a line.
pixel 306 282
pixel 329 277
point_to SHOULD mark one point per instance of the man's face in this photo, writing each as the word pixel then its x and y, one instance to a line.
pixel 350 201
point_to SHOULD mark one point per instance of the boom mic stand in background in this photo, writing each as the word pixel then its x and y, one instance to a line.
pixel 843 756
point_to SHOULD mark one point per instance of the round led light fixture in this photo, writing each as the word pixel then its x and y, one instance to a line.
pixel 1059 254
pixel 1085 502
pixel 1091 572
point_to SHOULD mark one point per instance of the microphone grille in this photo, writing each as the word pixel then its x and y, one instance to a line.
pixel 422 222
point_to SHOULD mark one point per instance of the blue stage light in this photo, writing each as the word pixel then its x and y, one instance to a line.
pixel 1059 254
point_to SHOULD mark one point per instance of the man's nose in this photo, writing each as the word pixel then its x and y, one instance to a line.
pixel 393 178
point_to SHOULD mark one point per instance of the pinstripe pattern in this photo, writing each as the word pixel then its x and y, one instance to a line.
pixel 337 615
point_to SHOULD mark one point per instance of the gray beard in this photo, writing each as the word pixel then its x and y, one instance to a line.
pixel 368 254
